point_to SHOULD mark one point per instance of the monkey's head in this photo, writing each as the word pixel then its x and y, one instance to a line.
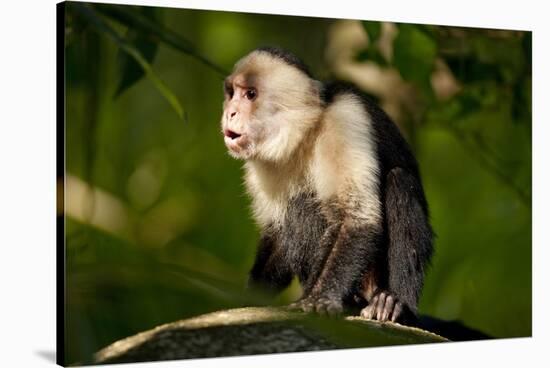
pixel 270 103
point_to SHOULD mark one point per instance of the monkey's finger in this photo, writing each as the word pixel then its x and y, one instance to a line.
pixel 388 308
pixel 380 305
pixel 368 311
pixel 397 310
pixel 372 307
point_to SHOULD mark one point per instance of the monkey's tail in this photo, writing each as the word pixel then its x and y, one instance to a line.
pixel 453 330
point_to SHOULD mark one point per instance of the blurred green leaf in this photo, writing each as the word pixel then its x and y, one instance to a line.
pixel 414 55
pixel 374 29
pixel 480 57
pixel 371 54
pixel 468 103
pixel 125 15
pixel 101 26
pixel 130 70
pixel 469 69
pixel 505 55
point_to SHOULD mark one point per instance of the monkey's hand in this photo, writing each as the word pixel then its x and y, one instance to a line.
pixel 322 304
pixel 385 306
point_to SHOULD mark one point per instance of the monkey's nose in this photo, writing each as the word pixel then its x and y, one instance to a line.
pixel 231 114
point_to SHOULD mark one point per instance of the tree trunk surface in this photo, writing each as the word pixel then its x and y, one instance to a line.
pixel 257 330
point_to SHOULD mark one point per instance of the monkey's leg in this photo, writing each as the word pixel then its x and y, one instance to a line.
pixel 319 256
pixel 353 251
pixel 409 249
pixel 270 272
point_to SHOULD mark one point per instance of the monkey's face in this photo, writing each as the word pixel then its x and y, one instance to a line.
pixel 243 133
pixel 267 109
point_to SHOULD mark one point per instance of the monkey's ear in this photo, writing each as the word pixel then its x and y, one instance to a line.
pixel 318 86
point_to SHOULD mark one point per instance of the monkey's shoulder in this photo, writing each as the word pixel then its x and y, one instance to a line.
pixel 364 124
pixel 345 156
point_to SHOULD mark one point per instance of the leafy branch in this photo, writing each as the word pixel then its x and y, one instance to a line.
pixel 137 21
pixel 100 25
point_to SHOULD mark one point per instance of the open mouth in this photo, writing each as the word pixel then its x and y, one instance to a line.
pixel 236 142
pixel 231 134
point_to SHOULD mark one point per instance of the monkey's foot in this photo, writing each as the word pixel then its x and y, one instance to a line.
pixel 384 306
pixel 322 305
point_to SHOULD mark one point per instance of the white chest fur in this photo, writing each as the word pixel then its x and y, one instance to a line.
pixel 341 166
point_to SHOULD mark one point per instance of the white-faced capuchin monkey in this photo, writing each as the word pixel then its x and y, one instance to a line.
pixel 335 188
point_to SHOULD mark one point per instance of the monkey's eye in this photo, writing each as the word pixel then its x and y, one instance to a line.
pixel 251 94
pixel 229 91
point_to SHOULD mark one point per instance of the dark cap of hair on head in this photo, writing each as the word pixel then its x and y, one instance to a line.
pixel 287 57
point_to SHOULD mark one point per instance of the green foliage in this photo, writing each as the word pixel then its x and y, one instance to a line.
pixel 374 30
pixel 414 55
pixel 130 70
pixel 140 22
pixel 139 47
pixel 100 25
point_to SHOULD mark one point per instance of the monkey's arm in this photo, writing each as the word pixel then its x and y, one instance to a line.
pixel 270 272
pixel 410 236
pixel 353 252
pixel 409 248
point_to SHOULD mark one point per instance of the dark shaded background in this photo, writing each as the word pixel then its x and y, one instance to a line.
pixel 157 221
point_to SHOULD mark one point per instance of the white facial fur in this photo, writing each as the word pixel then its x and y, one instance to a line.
pixel 271 126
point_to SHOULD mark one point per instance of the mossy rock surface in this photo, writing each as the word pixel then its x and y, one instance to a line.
pixel 257 330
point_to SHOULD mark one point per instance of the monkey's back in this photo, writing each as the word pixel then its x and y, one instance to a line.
pixel 309 214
